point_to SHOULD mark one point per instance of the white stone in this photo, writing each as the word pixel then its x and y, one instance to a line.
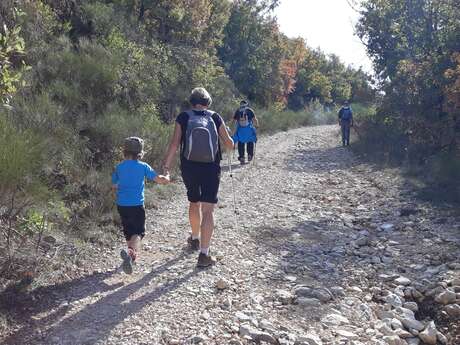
pixel 387 227
pixel 393 340
pixel 411 306
pixel 335 320
pixel 346 334
pixel 413 341
pixel 442 338
pixel 412 323
pixel 393 299
pixel 446 297
pixel 429 334
pixel 222 284
pixel 453 310
pixel 396 324
pixel 310 339
pixel 402 281
pixel 266 337
pixel 242 317
pixel 308 302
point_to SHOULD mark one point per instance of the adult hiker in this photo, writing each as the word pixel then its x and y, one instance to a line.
pixel 197 133
pixel 128 181
pixel 245 133
pixel 345 122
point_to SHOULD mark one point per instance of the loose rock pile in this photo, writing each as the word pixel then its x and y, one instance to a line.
pixel 325 249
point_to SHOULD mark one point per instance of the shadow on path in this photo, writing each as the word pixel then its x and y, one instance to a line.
pixel 106 313
pixel 321 160
pixel 307 249
pixel 21 307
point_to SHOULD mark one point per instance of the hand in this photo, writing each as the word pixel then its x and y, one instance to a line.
pixel 114 190
pixel 163 179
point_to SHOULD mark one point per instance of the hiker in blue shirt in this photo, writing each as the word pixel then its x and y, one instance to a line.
pixel 128 181
pixel 245 133
pixel 345 122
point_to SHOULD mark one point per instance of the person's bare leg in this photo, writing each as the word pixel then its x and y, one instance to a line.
pixel 194 216
pixel 135 243
pixel 207 226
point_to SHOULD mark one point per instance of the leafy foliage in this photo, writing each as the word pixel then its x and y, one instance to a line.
pixel 414 46
pixel 79 76
pixel 12 50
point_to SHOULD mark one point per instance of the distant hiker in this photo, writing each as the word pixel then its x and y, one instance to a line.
pixel 197 133
pixel 128 181
pixel 345 122
pixel 245 132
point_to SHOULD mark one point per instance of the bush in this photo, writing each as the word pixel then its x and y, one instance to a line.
pixel 20 160
pixel 20 157
pixel 274 120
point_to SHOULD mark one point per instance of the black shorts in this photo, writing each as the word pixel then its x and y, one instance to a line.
pixel 133 220
pixel 202 182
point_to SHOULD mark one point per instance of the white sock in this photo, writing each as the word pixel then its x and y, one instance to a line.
pixel 195 237
pixel 205 251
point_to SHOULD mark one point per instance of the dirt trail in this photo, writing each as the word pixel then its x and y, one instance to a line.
pixel 318 245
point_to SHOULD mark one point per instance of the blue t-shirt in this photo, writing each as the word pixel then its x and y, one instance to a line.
pixel 130 175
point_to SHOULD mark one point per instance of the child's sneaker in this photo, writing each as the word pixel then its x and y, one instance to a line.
pixel 127 264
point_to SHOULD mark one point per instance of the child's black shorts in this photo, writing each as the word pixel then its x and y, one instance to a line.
pixel 133 220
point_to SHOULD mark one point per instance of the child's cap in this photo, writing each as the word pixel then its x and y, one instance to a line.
pixel 134 145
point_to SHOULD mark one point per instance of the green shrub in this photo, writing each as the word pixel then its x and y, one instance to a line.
pixel 20 156
pixel 274 120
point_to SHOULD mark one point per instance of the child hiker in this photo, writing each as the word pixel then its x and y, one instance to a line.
pixel 128 183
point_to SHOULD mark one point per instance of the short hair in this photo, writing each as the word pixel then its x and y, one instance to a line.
pixel 199 95
pixel 244 103
pixel 133 147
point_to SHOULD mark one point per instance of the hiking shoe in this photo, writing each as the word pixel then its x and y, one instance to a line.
pixel 249 158
pixel 193 243
pixel 241 160
pixel 205 260
pixel 127 264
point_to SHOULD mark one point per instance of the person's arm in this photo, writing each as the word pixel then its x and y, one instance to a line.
pixel 235 126
pixel 225 137
pixel 235 122
pixel 114 182
pixel 172 149
pixel 256 121
pixel 351 118
pixel 340 116
pixel 114 190
pixel 151 175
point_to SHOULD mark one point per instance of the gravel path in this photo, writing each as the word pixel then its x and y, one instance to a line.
pixel 323 250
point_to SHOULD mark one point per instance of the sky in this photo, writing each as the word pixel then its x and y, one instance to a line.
pixel 327 24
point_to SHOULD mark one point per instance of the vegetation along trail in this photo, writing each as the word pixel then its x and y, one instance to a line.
pixel 324 249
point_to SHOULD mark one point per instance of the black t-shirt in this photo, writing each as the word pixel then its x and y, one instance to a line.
pixel 182 120
pixel 241 112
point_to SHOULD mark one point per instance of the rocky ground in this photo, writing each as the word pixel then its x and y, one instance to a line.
pixel 323 249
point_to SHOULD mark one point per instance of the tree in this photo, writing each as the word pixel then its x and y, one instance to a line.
pixel 12 64
pixel 413 46
pixel 252 53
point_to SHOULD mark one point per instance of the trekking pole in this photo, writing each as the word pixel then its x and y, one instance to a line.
pixel 232 181
pixel 254 155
